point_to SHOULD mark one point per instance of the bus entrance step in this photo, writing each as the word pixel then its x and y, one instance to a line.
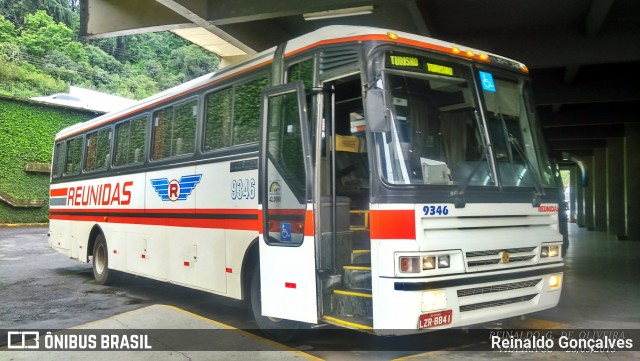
pixel 358 323
pixel 361 256
pixel 352 303
pixel 357 277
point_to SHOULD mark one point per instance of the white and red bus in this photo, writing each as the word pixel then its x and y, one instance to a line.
pixel 372 179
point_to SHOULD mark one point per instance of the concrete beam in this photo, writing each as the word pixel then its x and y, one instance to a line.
pixel 595 18
pixel 108 18
pixel 198 19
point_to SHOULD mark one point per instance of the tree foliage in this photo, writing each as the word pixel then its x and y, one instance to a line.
pixel 40 47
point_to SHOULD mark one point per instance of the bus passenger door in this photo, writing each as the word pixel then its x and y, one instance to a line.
pixel 287 243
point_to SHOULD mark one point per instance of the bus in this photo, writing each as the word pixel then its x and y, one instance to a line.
pixel 361 177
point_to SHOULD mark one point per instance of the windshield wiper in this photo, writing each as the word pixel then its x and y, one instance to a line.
pixel 463 187
pixel 536 181
pixel 539 187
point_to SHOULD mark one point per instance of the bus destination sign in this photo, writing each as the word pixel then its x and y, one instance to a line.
pixel 418 64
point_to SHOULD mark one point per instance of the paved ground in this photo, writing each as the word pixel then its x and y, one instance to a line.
pixel 41 289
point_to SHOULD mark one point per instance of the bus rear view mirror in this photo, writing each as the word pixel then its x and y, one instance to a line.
pixel 376 112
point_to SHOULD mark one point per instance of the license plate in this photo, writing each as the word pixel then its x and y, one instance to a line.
pixel 429 320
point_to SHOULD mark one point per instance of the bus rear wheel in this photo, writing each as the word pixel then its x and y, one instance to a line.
pixel 101 272
pixel 275 328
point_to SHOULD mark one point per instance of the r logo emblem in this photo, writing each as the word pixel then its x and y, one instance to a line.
pixel 174 190
pixel 505 257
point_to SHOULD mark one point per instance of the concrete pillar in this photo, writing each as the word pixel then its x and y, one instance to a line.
pixel 615 188
pixel 579 192
pixel 588 195
pixel 600 189
pixel 574 183
pixel 632 185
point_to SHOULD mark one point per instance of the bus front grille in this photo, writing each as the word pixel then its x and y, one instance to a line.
pixel 498 288
pixel 508 301
pixel 483 260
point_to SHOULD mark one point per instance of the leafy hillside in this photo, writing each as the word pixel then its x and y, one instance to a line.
pixel 41 53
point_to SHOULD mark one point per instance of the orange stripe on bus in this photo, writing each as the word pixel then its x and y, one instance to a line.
pixel 393 224
pixel 59 192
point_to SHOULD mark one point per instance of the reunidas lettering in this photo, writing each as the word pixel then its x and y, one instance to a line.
pixel 100 195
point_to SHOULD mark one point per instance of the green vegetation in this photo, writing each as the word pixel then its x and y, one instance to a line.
pixel 27 132
pixel 41 53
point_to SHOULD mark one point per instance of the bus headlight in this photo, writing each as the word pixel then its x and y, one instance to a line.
pixel 431 264
pixel 550 251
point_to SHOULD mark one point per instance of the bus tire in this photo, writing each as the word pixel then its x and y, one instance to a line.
pixel 275 328
pixel 101 272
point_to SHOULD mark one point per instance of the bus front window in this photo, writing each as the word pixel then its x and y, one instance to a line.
pixel 517 145
pixel 436 136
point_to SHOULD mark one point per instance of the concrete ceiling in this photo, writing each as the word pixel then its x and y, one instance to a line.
pixel 584 55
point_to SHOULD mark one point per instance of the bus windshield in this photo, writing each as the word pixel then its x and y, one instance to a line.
pixel 514 133
pixel 438 135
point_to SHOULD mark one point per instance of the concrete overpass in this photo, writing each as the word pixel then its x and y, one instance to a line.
pixel 584 57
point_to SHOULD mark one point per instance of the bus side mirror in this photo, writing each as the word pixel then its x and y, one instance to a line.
pixel 376 112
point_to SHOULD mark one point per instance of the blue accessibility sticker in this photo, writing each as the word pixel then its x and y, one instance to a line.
pixel 487 81
pixel 285 231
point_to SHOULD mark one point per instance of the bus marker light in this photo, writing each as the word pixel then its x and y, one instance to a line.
pixel 455 50
pixel 484 57
pixel 115 251
pixel 290 285
pixel 470 53
pixel 186 264
pixel 392 36
pixel 554 281
pixel 229 270
pixel 143 256
pixel 524 69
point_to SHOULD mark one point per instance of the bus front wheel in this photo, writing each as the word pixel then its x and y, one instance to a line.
pixel 101 272
pixel 275 328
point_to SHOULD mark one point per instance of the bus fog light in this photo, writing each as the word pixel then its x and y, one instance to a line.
pixel 443 261
pixel 434 300
pixel 554 251
pixel 555 281
pixel 428 262
pixel 410 264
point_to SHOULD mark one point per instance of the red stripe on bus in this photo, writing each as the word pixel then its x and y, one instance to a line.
pixel 231 224
pixel 393 224
pixel 59 192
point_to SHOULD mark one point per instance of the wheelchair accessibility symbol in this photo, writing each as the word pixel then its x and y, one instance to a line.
pixel 285 231
pixel 487 81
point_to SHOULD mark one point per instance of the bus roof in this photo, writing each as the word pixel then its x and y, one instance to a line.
pixel 334 34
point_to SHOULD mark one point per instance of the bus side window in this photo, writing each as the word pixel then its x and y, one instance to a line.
pixel 58 160
pixel 218 120
pixel 74 156
pixel 233 115
pixel 130 141
pixel 174 130
pixel 98 148
pixel 246 111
